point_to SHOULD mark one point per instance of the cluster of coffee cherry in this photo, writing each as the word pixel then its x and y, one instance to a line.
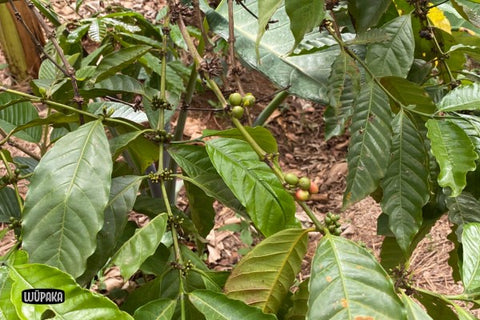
pixel 305 187
pixel 239 102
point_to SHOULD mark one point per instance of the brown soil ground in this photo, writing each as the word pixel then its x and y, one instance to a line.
pixel 298 127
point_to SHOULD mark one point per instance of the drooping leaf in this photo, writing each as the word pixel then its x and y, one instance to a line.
pixel 369 149
pixel 215 305
pixel 264 276
pixel 365 13
pixel 461 98
pixel 142 151
pixel 123 193
pixel 414 311
pixel 463 209
pixel 254 184
pixel 410 94
pixel 9 206
pixel 343 86
pixel 391 255
pixel 348 283
pixel 299 309
pixel 159 309
pixel 471 257
pixel 140 246
pixel 18 113
pixel 454 153
pixel 304 16
pixel 201 209
pixel 121 142
pixel 405 186
pixel 67 195
pixel 453 255
pixel 262 136
pixel 437 308
pixel 79 303
pixel 394 57
pixel 266 9
pixel 305 75
pixel 116 61
pixel 194 160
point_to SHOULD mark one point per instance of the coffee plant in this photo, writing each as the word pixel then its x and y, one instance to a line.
pixel 399 76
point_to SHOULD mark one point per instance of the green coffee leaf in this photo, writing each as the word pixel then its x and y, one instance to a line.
pixel 346 283
pixel 266 9
pixel 215 305
pixel 9 206
pixel 270 207
pixel 67 195
pixel 299 309
pixel 410 94
pixel 462 210
pixel 405 185
pixel 159 309
pixel 140 246
pixel 471 258
pixel 304 16
pixel 414 311
pixel 79 303
pixel 461 98
pixel 264 276
pixel 454 153
pixel 262 136
pixel 7 309
pixel 14 113
pixel 194 160
pixel 116 61
pixel 305 77
pixel 123 193
pixel 394 57
pixel 369 149
pixel 366 14
pixel 343 87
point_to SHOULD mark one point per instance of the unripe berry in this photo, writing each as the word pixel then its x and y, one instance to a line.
pixel 304 183
pixel 302 195
pixel 248 100
pixel 235 99
pixel 237 112
pixel 291 179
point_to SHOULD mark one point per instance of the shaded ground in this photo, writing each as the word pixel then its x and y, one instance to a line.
pixel 298 126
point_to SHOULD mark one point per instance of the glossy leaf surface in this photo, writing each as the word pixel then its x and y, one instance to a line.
pixel 369 148
pixel 348 283
pixel 405 186
pixel 264 276
pixel 270 207
pixel 68 193
pixel 79 303
pixel 454 153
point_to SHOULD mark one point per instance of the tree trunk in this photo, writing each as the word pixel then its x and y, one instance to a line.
pixel 22 56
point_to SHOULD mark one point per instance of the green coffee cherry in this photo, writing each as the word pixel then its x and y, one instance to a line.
pixel 235 99
pixel 248 100
pixel 237 112
pixel 291 178
pixel 304 183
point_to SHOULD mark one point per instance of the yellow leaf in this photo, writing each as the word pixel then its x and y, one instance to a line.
pixel 438 19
